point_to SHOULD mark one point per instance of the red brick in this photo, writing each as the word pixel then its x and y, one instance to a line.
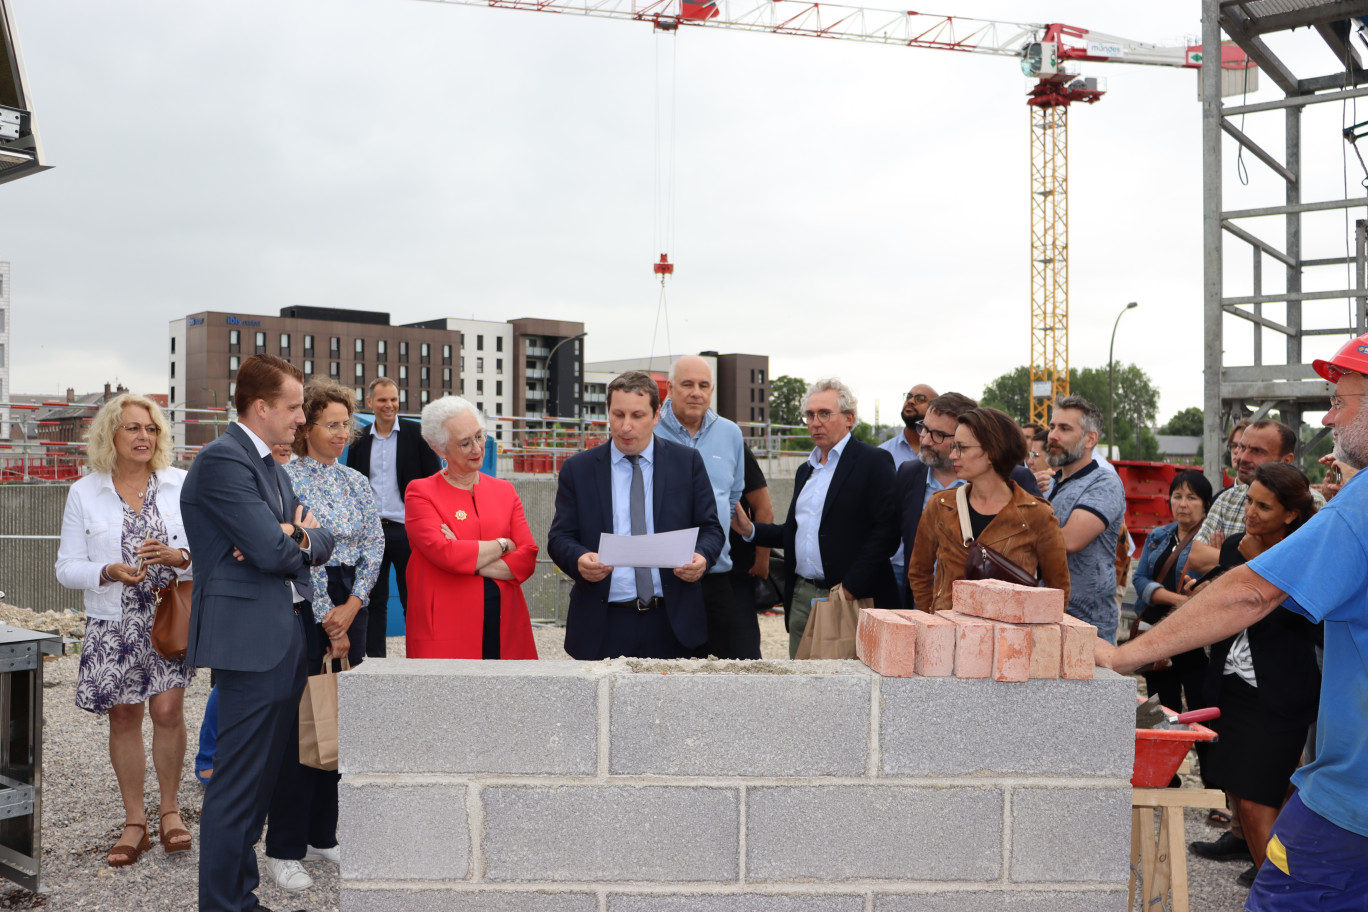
pixel 1001 601
pixel 1076 650
pixel 935 643
pixel 1046 643
pixel 973 645
pixel 886 643
pixel 1011 652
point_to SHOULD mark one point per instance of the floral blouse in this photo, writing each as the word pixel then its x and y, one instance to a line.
pixel 342 500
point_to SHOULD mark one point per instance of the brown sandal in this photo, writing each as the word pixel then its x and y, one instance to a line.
pixel 167 836
pixel 124 854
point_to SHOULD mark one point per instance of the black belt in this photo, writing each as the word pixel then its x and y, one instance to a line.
pixel 639 605
pixel 390 522
pixel 812 582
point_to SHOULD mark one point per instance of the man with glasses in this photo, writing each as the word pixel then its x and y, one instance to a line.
pixel 1263 441
pixel 841 526
pixel 1316 855
pixel 930 471
pixel 904 445
pixel 1090 504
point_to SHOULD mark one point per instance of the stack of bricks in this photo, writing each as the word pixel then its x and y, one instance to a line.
pixel 996 630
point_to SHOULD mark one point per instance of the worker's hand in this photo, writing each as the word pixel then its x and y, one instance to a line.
pixel 590 568
pixel 692 572
pixel 740 522
pixel 1103 653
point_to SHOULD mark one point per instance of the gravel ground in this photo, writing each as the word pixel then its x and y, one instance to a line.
pixel 82 812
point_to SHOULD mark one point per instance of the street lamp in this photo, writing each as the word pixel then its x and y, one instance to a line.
pixel 1111 378
pixel 552 353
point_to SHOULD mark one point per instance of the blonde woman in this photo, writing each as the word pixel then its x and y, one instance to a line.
pixel 122 540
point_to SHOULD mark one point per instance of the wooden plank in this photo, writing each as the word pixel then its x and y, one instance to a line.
pixel 1196 798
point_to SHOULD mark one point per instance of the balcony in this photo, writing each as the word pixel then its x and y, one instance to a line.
pixel 536 373
pixel 533 352
pixel 535 395
pixel 596 397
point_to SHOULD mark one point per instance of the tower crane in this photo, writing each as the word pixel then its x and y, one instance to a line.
pixel 1047 53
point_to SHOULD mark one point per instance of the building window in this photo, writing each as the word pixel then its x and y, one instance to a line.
pixel 284 343
pixel 360 348
pixel 403 352
pixel 498 343
pixel 173 395
pixel 498 365
pixel 403 397
pixel 308 367
pixel 232 389
pixel 577 389
pixel 360 394
pixel 446 354
pixel 235 340
pixel 762 413
pixel 531 364
pixel 463 364
pixel 425 353
pixel 761 375
pixel 752 413
pixel 261 343
pixel 577 349
pixel 479 343
pixel 308 345
pixel 381 350
pixel 381 370
pixel 479 365
pixel 479 387
pixel 335 346
pixel 480 406
pixel 2 329
pixel 403 373
pixel 752 393
pixel 462 387
pixel 361 374
pixel 498 408
pixel 498 387
pixel 752 375
pixel 233 362
pixel 423 396
pixel 424 375
pixel 446 378
pixel 173 367
pixel 334 369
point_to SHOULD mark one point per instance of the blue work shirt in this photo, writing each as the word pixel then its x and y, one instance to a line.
pixel 622 587
pixel 720 444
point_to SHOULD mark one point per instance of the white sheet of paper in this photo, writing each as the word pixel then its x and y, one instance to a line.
pixel 662 549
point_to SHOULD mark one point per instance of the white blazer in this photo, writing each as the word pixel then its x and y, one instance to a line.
pixel 92 536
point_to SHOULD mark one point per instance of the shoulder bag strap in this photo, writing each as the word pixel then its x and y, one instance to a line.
pixel 962 505
pixel 1173 555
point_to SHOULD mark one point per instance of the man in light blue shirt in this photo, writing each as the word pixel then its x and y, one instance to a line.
pixel 905 444
pixel 687 418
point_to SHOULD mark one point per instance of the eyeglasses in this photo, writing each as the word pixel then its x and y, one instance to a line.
pixel 335 426
pixel 471 444
pixel 132 429
pixel 936 436
pixel 918 397
pixel 1337 401
pixel 1033 455
pixel 958 447
pixel 822 415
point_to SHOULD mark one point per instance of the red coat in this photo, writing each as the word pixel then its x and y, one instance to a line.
pixel 445 595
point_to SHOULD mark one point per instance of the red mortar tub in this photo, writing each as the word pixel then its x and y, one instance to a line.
pixel 1160 751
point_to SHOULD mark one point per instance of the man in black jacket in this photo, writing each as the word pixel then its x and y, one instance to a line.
pixel 841 526
pixel 391 454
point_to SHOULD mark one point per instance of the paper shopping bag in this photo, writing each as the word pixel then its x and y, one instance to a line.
pixel 830 631
pixel 318 719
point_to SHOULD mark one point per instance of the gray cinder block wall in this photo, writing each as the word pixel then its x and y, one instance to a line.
pixel 634 786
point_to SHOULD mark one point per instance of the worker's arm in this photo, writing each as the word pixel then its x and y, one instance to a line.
pixel 1202 558
pixel 1225 607
pixel 1083 526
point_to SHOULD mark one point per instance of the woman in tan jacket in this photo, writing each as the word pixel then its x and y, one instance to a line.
pixel 1020 527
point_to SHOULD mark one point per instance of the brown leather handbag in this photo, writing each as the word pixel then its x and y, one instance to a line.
pixel 982 562
pixel 171 626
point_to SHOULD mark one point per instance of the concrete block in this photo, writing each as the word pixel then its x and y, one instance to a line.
pixel 1070 835
pixel 1076 650
pixel 1002 601
pixel 734 902
pixel 973 645
pixel 418 716
pixel 1003 901
pixel 379 825
pixel 448 900
pixel 1011 652
pixel 611 833
pixel 935 643
pixel 886 643
pixel 1046 644
pixel 878 832
pixel 952 727
pixel 741 724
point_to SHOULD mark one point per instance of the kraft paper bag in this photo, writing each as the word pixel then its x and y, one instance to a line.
pixel 830 631
pixel 318 719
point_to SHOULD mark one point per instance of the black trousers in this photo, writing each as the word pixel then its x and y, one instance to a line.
pixel 397 553
pixel 304 803
pixel 733 625
pixel 257 712
pixel 640 634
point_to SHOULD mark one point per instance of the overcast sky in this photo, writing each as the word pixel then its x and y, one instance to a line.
pixel 843 207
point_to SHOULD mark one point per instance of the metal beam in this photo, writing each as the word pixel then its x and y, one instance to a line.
pixel 1294 101
pixel 1320 14
pixel 1235 24
pixel 1275 390
pixel 1268 372
pixel 1333 81
pixel 1256 318
pixel 1280 296
pixel 1213 440
pixel 1322 206
pixel 1259 152
pixel 1260 244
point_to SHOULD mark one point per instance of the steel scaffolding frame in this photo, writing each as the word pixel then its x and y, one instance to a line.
pixel 1049 258
pixel 1292 387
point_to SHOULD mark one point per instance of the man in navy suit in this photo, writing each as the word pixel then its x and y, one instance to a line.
pixel 636 483
pixel 840 526
pixel 253 545
pixel 931 470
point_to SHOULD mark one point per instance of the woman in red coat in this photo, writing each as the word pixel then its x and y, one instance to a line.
pixel 472 549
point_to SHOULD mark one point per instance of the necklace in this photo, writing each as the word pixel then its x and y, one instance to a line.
pixel 132 491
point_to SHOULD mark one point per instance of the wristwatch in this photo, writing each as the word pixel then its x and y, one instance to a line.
pixel 298 534
pixel 505 545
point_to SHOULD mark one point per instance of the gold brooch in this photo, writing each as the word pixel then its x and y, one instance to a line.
pixel 461 514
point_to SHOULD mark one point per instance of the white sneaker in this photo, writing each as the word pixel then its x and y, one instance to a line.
pixel 288 874
pixel 333 855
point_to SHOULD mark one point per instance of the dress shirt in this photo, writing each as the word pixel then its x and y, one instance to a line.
pixel 902 450
pixel 263 451
pixel 808 512
pixel 622 587
pixel 723 449
pixel 342 500
pixel 384 473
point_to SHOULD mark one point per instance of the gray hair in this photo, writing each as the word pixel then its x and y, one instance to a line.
pixel 845 396
pixel 438 412
pixel 1091 420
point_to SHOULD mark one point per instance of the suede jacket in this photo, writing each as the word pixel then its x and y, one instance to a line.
pixel 1025 532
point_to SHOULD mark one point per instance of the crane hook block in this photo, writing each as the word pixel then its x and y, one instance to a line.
pixel 664 267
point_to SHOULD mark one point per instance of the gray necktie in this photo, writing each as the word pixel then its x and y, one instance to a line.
pixel 644 585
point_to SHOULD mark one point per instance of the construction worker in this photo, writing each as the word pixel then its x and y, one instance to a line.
pixel 1315 856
